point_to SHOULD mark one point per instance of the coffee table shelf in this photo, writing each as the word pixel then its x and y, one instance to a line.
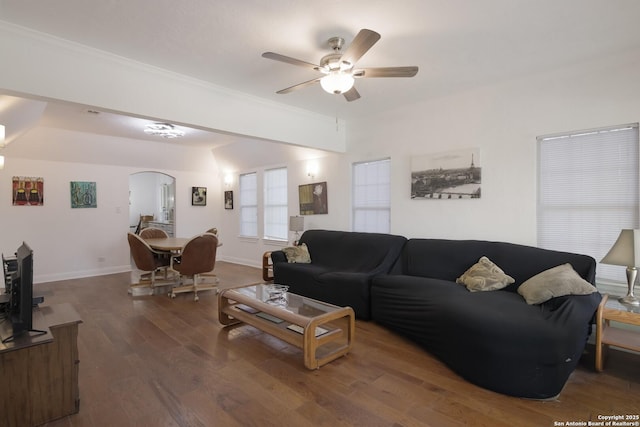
pixel 309 314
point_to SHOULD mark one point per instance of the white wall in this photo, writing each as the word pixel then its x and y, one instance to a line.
pixel 249 251
pixel 503 121
pixel 70 243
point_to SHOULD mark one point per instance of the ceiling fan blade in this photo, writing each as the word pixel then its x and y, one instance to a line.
pixel 362 42
pixel 352 94
pixel 298 86
pixel 385 72
pixel 289 60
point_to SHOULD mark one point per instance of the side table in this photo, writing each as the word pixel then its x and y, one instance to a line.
pixel 606 335
pixel 267 267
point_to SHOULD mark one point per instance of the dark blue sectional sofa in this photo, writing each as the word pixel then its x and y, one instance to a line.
pixel 493 339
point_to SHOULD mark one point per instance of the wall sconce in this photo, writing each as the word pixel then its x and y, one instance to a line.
pixel 312 169
pixel 228 179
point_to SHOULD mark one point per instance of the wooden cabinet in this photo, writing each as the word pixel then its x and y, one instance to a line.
pixel 39 375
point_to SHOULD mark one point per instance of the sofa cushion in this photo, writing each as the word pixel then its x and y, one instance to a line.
pixel 484 276
pixel 554 282
pixel 298 254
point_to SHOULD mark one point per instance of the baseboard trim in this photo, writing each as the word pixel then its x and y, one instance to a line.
pixel 46 278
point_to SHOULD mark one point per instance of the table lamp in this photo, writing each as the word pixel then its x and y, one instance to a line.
pixel 296 224
pixel 626 251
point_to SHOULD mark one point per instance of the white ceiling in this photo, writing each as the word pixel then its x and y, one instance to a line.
pixel 458 44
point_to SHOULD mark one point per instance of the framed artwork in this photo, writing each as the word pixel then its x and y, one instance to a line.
pixel 448 175
pixel 83 195
pixel 228 199
pixel 27 191
pixel 199 196
pixel 313 198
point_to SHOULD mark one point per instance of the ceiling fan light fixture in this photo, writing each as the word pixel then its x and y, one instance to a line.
pixel 164 130
pixel 337 82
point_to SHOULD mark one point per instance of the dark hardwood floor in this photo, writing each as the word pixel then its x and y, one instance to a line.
pixel 156 361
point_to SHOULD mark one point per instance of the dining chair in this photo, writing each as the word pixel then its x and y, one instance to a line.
pixel 211 274
pixel 198 256
pixel 146 260
pixel 157 233
pixel 153 233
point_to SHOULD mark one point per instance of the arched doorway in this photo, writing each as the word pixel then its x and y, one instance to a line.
pixel 152 195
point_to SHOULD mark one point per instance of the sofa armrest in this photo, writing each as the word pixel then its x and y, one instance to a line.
pixel 278 256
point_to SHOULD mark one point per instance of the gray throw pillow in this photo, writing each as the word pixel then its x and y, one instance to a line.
pixel 555 282
pixel 484 276
pixel 297 254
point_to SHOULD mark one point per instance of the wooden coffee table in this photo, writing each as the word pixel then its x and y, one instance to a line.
pixel 323 331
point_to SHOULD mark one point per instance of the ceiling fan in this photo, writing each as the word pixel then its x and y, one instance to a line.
pixel 339 68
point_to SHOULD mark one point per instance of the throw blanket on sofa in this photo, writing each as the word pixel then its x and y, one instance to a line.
pixel 491 338
pixel 342 265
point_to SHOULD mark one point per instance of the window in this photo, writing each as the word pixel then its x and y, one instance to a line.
pixel 588 192
pixel 372 196
pixel 275 204
pixel 248 205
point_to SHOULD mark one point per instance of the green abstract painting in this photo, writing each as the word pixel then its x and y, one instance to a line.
pixel 83 195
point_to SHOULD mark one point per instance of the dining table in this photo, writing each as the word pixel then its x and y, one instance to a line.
pixel 169 244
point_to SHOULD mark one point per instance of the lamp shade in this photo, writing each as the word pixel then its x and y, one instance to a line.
pixel 296 223
pixel 337 82
pixel 625 251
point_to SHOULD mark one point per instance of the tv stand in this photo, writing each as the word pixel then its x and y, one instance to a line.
pixel 39 373
pixel 36 300
pixel 11 338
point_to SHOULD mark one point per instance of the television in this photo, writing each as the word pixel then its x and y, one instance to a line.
pixel 20 304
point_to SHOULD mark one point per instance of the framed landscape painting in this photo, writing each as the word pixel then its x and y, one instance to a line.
pixel 448 175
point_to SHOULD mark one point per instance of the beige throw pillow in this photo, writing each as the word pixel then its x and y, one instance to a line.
pixel 555 282
pixel 298 254
pixel 484 276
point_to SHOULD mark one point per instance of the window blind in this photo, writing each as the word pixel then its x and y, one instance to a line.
pixel 248 205
pixel 275 204
pixel 372 196
pixel 588 191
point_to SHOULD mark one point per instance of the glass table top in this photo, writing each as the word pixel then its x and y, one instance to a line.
pixel 288 301
pixel 614 304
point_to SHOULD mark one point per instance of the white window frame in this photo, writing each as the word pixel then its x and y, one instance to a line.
pixel 588 190
pixel 371 189
pixel 275 205
pixel 248 204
